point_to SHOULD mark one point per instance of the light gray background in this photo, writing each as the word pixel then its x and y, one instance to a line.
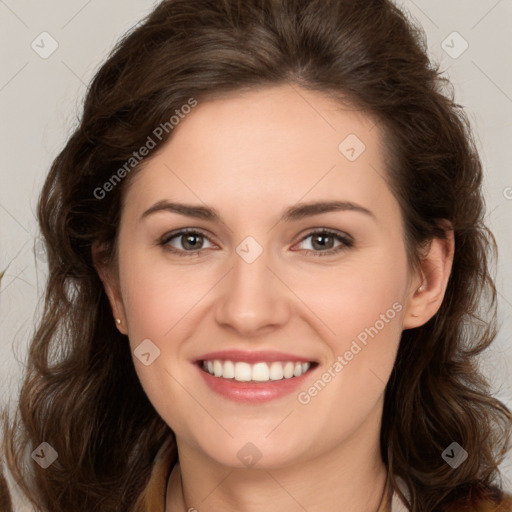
pixel 40 100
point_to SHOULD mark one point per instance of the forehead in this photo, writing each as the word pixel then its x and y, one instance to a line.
pixel 279 144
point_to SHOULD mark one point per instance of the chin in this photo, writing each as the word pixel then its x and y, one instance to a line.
pixel 257 452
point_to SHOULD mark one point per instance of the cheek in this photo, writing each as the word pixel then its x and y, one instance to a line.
pixel 158 296
pixel 157 301
pixel 361 304
pixel 362 307
pixel 362 297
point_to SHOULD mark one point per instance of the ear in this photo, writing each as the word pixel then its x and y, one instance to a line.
pixel 429 283
pixel 110 280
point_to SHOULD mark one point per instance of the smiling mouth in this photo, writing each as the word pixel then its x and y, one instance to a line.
pixel 258 372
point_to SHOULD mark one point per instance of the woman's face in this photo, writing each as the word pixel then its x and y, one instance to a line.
pixel 262 282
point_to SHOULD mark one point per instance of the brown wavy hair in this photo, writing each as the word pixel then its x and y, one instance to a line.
pixel 81 393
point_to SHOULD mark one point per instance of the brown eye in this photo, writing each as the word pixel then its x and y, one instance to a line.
pixel 323 242
pixel 184 241
pixel 191 241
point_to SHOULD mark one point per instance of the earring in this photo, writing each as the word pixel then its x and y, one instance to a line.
pixel 118 321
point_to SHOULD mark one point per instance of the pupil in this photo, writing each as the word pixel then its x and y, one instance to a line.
pixel 187 241
pixel 322 238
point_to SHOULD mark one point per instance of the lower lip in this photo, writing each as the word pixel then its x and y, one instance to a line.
pixel 253 392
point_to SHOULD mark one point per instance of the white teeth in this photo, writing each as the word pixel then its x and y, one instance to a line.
pixel 217 368
pixel 276 371
pixel 228 370
pixel 242 372
pixel 258 372
pixel 288 370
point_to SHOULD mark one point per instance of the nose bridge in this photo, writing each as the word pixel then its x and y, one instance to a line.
pixel 250 297
pixel 250 278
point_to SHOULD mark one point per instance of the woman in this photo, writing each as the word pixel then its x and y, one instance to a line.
pixel 267 260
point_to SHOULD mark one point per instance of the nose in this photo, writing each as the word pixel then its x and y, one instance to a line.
pixel 252 298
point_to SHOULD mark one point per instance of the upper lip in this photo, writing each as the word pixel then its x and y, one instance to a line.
pixel 252 357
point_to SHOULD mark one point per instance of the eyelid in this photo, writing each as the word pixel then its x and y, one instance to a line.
pixel 346 241
pixel 329 231
pixel 164 240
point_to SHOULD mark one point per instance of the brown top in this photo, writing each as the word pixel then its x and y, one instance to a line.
pixel 152 499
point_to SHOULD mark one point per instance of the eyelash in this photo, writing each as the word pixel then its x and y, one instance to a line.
pixel 346 241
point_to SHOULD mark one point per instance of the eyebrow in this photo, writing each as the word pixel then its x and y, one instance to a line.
pixel 293 213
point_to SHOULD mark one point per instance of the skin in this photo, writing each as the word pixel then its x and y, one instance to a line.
pixel 250 156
